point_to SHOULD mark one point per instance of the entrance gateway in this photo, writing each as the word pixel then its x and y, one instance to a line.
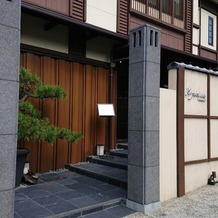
pixel 159 171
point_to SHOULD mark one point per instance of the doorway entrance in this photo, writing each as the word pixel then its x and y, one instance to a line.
pixel 122 100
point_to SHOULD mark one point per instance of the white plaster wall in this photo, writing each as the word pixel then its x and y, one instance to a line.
pixel 198 84
pixel 195 139
pixel 196 175
pixel 195 31
pixel 214 138
pixel 204 29
pixel 195 36
pixel 102 13
pixel 172 79
pixel 195 12
pixel 33 33
pixel 99 49
pixel 213 95
pixel 168 164
pixel 195 50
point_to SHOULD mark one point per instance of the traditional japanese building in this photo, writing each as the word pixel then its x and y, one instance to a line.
pixel 83 45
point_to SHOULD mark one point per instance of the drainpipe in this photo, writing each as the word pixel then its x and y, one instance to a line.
pixel 111 81
pixel 112 65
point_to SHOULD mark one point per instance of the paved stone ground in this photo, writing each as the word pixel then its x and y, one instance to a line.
pixel 202 202
pixel 69 191
pixel 68 194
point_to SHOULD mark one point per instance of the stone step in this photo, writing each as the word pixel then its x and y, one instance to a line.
pixel 122 145
pixel 109 160
pixel 118 152
pixel 81 212
pixel 111 175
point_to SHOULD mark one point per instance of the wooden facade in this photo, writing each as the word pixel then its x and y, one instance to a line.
pixel 88 81
pixel 54 5
pixel 175 33
pixel 86 85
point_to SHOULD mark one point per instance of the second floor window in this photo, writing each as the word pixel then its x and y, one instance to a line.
pixel 178 9
pixel 166 6
pixel 210 31
pixel 168 11
pixel 154 4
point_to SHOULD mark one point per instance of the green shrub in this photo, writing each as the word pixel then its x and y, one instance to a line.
pixel 31 124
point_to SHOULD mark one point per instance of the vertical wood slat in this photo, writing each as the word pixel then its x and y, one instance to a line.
pixel 180 133
pixel 90 107
pixel 122 16
pixel 77 9
pixel 63 112
pixel 48 110
pixel 77 109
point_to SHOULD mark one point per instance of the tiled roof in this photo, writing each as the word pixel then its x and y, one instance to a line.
pixel 174 65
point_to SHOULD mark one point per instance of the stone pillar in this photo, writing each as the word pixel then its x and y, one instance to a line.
pixel 143 118
pixel 9 76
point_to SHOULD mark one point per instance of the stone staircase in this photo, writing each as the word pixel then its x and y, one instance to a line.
pixel 110 168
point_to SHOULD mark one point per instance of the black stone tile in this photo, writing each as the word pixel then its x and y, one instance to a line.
pixel 96 183
pixel 117 193
pixel 16 215
pixel 83 201
pixel 27 189
pixel 88 190
pixel 54 188
pixel 59 190
pixel 92 210
pixel 48 185
pixel 84 179
pixel 67 181
pixel 99 214
pixel 72 175
pixel 37 194
pixel 48 178
pixel 60 207
pixel 106 187
pixel 77 186
pixel 89 181
pixel 75 215
pixel 101 197
pixel 119 211
pixel 35 212
pixel 24 205
pixel 101 178
pixel 50 200
pixel 20 197
pixel 114 182
pixel 70 195
pixel 90 174
pixel 111 204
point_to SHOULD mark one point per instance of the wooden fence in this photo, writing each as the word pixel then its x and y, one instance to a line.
pixel 86 86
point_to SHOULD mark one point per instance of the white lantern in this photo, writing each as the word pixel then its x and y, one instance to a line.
pixel 100 150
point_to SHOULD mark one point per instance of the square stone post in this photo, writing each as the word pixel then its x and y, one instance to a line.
pixel 143 118
pixel 9 76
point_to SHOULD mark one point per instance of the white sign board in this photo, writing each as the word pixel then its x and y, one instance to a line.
pixel 106 110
